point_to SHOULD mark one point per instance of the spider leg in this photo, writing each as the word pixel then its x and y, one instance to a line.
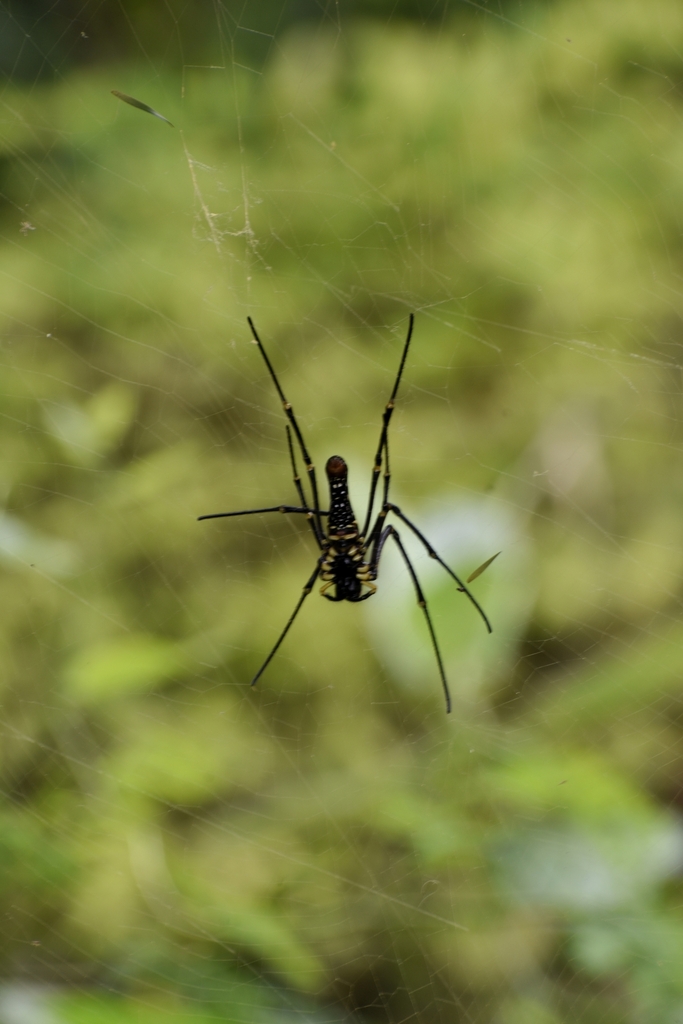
pixel 300 490
pixel 306 591
pixel 255 511
pixel 389 531
pixel 432 553
pixel 383 444
pixel 384 511
pixel 289 412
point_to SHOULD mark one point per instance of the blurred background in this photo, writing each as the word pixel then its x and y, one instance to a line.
pixel 331 846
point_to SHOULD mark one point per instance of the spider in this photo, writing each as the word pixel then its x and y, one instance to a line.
pixel 349 558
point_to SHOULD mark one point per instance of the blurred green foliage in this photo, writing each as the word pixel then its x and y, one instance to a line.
pixel 176 846
pixel 45 38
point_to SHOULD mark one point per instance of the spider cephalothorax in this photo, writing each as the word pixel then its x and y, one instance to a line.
pixel 349 557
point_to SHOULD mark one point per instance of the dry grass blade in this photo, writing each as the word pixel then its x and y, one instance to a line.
pixel 482 567
pixel 140 105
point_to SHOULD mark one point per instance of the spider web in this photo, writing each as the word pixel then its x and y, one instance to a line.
pixel 331 846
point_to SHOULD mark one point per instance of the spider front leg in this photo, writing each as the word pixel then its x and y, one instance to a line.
pixel 462 587
pixel 306 591
pixel 389 531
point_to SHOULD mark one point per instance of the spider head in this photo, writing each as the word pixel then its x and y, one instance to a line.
pixel 336 468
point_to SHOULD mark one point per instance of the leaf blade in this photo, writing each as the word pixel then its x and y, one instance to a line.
pixel 482 567
pixel 140 105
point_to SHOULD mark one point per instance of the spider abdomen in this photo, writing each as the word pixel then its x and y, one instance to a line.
pixel 342 523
